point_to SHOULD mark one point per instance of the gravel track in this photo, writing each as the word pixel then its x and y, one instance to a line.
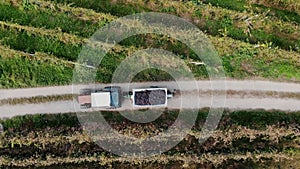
pixel 187 100
pixel 237 85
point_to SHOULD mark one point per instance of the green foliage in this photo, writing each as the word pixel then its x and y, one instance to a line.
pixel 105 6
pixel 259 119
pixel 214 24
pixel 40 121
pixel 152 75
pixel 239 5
pixel 26 4
pixel 22 72
pixel 49 20
pixel 238 64
pixel 24 41
pixel 216 28
pixel 242 5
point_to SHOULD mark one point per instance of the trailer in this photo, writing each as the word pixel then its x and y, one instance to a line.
pixel 111 96
pixel 149 97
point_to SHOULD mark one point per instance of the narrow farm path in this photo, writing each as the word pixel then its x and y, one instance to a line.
pixel 188 98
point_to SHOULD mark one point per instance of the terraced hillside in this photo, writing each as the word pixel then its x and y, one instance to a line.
pixel 41 40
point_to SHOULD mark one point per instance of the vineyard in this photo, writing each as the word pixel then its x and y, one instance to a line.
pixel 58 141
pixel 41 40
pixel 253 42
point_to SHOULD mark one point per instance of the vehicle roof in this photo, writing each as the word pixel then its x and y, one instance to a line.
pixel 115 95
pixel 101 99
pixel 115 99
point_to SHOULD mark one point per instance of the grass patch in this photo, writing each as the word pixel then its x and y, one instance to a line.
pixel 257 119
pixel 105 6
pixel 240 60
pixel 49 20
pixel 285 5
pixel 285 14
pixel 31 43
pixel 215 20
pixel 40 121
pixel 17 72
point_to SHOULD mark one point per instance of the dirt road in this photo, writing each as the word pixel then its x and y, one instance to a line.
pixel 185 101
pixel 235 85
